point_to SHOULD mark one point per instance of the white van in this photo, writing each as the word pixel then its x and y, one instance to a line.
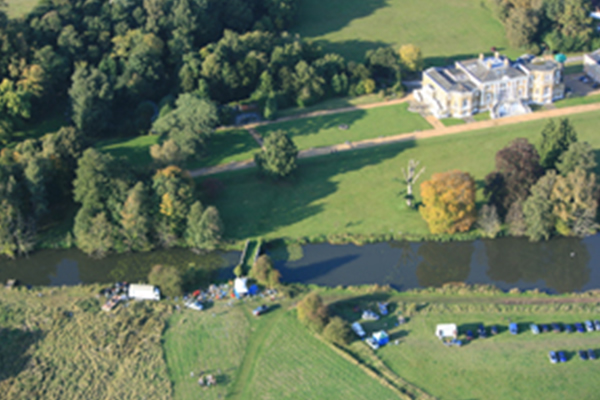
pixel 143 292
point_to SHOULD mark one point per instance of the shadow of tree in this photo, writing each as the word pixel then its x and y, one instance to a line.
pixel 14 348
pixel 251 207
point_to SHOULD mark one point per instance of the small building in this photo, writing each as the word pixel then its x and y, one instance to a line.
pixel 591 65
pixel 240 287
pixel 381 337
pixel 443 331
pixel 143 292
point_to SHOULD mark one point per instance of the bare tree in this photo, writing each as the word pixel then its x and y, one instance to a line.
pixel 410 177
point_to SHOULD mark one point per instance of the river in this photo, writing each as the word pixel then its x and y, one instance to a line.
pixel 558 266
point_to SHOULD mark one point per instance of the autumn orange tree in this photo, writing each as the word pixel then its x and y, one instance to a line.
pixel 449 202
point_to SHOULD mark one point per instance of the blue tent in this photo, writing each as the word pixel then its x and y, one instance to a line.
pixel 253 290
pixel 381 338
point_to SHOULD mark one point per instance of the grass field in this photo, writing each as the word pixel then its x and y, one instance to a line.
pixel 362 124
pixel 357 192
pixel 442 28
pixel 577 101
pixel 452 121
pixel 18 8
pixel 224 146
pixel 58 344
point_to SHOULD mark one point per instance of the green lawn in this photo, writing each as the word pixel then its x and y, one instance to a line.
pixel 31 130
pixel 442 28
pixel 357 192
pixel 331 104
pixel 224 146
pixel 452 121
pixel 18 8
pixel 362 124
pixel 484 116
pixel 577 101
pixel 575 68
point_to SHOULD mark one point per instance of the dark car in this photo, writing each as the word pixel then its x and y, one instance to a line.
pixel 469 335
pixel 597 325
pixel 568 328
pixel 260 310
pixel 591 354
pixel 583 355
pixel 494 330
pixel 562 357
pixel 545 328
pixel 579 327
pixel 555 327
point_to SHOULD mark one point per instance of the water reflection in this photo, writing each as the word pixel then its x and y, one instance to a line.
pixel 444 262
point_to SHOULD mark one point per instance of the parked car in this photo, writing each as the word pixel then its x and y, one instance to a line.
pixel 260 310
pixel 372 343
pixel 534 329
pixel 370 315
pixel 583 355
pixel 555 327
pixel 383 308
pixel 579 327
pixel 358 329
pixel 481 331
pixel 568 328
pixel 553 357
pixel 194 305
pixel 513 328
pixel 562 357
pixel 494 330
pixel 469 335
pixel 591 354
pixel 597 325
pixel 545 328
pixel 589 326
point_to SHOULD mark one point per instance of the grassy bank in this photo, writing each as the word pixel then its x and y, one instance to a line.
pixel 443 29
pixel 357 192
pixel 351 126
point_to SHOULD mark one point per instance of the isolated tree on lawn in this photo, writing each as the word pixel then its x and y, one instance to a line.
pixel 278 156
pixel 410 178
pixel 204 228
pixel 556 139
pixel 449 202
pixel 517 169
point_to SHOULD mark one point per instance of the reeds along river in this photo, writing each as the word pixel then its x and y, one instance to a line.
pixel 557 266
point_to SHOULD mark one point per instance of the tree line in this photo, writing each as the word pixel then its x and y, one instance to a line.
pixel 562 25
pixel 534 192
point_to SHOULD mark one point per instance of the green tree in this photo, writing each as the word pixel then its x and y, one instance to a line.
pixel 204 228
pixel 173 195
pixel 574 199
pixel 135 221
pixel 411 57
pixel 312 312
pixel 278 156
pixel 537 209
pixel 167 278
pixel 516 219
pixel 270 110
pixel 488 221
pixel 91 95
pixel 337 331
pixel 384 64
pixel 579 155
pixel 521 26
pixel 36 177
pixel 556 139
pixel 261 269
pixel 94 234
pixel 92 182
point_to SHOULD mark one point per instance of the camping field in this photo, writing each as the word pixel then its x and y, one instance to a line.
pixel 358 192
pixel 441 28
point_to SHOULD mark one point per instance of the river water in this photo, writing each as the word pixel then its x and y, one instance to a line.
pixel 558 266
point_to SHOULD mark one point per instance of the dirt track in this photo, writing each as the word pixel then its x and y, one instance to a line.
pixel 439 131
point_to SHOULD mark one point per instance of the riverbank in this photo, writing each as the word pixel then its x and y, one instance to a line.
pixel 155 350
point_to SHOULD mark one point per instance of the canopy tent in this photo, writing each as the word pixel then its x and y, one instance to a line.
pixel 381 338
pixel 446 331
pixel 240 287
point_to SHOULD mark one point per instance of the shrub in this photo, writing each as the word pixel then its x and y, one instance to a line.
pixel 337 331
pixel 312 312
pixel 488 221
pixel 167 278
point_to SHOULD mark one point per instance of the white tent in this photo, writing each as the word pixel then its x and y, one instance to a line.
pixel 446 331
pixel 240 285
